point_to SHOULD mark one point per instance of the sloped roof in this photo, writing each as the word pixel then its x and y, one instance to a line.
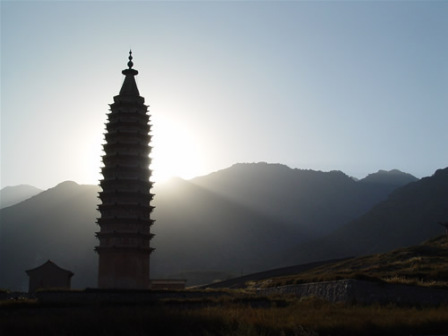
pixel 48 264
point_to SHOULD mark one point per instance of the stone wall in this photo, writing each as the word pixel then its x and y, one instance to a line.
pixel 365 292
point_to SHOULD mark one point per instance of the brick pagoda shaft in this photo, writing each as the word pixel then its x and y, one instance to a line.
pixel 125 220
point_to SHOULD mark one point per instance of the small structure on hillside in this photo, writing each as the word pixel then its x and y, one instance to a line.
pixel 49 275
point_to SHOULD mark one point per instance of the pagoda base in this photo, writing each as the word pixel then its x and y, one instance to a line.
pixel 120 269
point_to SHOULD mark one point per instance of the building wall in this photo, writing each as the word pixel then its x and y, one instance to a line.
pixel 49 278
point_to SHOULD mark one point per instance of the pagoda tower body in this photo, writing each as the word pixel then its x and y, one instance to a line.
pixel 125 221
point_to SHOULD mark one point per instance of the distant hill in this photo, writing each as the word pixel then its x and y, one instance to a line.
pixel 16 194
pixel 409 215
pixel 392 177
pixel 236 221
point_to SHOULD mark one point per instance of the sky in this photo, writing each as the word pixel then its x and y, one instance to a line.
pixel 356 86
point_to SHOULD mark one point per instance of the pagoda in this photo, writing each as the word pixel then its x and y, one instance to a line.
pixel 125 209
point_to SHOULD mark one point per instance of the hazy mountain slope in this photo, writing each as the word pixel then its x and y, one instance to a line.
pixel 316 201
pixel 57 224
pixel 408 216
pixel 16 194
pixel 240 219
pixel 197 229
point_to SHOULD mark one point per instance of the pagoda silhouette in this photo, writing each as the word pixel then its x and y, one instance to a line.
pixel 125 209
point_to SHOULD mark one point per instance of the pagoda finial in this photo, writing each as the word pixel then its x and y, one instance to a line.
pixel 130 63
pixel 129 87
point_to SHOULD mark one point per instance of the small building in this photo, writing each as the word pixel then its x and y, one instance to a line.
pixel 49 275
pixel 167 284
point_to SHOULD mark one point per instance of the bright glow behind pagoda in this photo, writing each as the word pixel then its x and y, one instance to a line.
pixel 176 151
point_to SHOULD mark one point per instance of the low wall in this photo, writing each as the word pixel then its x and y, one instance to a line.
pixel 122 297
pixel 366 292
pixel 349 291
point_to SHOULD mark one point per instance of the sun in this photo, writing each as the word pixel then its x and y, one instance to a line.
pixel 175 151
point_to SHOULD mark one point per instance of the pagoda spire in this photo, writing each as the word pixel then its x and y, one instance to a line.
pixel 129 87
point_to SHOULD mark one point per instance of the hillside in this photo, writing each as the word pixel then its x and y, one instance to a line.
pixel 423 264
pixel 409 215
pixel 238 220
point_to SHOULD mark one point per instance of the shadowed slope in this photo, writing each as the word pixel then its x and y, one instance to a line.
pixel 409 215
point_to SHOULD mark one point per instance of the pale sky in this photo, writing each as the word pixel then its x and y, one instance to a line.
pixel 355 86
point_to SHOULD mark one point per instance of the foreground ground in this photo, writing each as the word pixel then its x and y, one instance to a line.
pixel 235 315
pixel 242 312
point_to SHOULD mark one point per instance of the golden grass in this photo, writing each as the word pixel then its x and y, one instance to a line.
pixel 423 265
pixel 316 316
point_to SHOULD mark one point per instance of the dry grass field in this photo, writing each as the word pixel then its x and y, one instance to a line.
pixel 236 314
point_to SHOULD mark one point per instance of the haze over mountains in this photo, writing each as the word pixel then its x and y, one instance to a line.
pixel 13 195
pixel 247 218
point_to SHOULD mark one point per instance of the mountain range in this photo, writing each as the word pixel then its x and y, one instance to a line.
pixel 243 219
